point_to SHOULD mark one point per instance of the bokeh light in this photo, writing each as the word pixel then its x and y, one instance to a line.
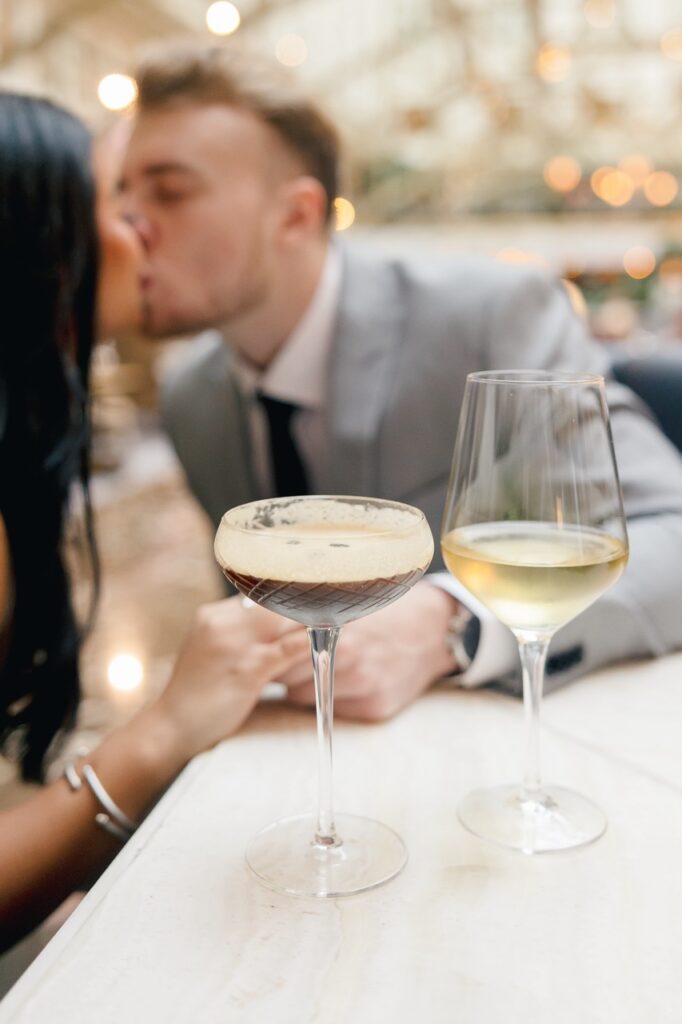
pixel 291 50
pixel 223 18
pixel 612 186
pixel 636 166
pixel 639 262
pixel 660 188
pixel 125 672
pixel 520 256
pixel 562 173
pixel 671 44
pixel 553 63
pixel 599 13
pixel 117 92
pixel 345 213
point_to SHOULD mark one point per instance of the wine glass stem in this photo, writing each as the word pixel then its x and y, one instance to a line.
pixel 322 647
pixel 533 654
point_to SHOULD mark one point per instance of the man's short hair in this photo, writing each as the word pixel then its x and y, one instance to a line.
pixel 220 74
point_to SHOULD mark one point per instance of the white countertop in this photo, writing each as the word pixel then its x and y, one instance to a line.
pixel 176 931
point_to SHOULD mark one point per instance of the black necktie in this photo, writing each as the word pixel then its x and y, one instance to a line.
pixel 289 471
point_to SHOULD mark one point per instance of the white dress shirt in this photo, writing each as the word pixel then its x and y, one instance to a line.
pixel 298 374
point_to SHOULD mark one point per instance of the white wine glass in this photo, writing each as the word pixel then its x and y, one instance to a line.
pixel 324 561
pixel 534 528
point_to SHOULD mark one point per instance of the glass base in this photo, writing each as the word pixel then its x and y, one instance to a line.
pixel 285 858
pixel 550 819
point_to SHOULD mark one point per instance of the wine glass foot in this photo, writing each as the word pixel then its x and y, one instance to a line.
pixel 548 820
pixel 284 857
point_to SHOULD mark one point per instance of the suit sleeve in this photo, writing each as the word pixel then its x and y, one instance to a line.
pixel 531 324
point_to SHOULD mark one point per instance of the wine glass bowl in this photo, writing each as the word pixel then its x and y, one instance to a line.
pixel 324 561
pixel 534 527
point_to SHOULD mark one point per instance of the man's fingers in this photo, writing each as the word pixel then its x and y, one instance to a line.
pixel 346 663
pixel 300 674
pixel 277 658
pixel 375 708
pixel 346 685
pixel 302 695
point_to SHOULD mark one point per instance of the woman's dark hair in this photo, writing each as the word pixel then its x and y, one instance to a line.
pixel 48 276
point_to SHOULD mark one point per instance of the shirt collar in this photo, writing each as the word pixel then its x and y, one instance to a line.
pixel 298 373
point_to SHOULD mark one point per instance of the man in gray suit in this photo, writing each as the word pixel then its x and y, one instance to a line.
pixel 345 369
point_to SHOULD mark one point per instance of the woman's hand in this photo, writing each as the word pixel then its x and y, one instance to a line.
pixel 229 656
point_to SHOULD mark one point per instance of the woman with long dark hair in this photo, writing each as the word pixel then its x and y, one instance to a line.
pixel 70 268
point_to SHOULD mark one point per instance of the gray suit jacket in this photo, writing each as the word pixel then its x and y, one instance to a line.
pixel 407 334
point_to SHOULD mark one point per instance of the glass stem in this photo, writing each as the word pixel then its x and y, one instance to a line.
pixel 322 647
pixel 533 654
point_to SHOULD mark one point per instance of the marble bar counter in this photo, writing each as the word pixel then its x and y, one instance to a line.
pixel 176 931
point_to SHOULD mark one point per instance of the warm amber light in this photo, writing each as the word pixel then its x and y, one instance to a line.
pixel 291 50
pixel 670 271
pixel 576 297
pixel 553 63
pixel 223 18
pixel 125 672
pixel 562 173
pixel 614 187
pixel 345 213
pixel 660 188
pixel 637 167
pixel 598 176
pixel 520 256
pixel 671 44
pixel 599 13
pixel 639 262
pixel 116 92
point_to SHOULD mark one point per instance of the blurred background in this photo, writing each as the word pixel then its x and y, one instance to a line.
pixel 524 130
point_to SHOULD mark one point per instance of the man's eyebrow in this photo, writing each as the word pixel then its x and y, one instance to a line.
pixel 168 167
pixel 157 170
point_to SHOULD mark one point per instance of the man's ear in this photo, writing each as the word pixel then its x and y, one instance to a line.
pixel 303 209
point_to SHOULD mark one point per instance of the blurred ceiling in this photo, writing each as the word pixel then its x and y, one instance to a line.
pixel 445 104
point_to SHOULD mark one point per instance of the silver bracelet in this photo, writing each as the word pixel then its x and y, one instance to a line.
pixel 113 820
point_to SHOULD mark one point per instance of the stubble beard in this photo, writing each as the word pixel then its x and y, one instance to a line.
pixel 158 325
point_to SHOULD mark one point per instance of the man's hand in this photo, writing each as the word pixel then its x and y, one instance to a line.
pixel 386 660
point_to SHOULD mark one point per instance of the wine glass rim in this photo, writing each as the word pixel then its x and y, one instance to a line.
pixel 346 498
pixel 535 377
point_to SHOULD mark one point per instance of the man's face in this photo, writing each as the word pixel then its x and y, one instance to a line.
pixel 202 182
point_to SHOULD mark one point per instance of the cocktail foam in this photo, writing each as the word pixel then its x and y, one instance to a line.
pixel 323 540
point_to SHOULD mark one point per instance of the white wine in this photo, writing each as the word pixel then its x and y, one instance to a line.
pixel 534 576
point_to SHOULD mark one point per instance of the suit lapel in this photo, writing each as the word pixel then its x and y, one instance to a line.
pixel 229 477
pixel 364 352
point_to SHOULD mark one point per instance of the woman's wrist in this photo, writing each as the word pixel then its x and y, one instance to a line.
pixel 140 759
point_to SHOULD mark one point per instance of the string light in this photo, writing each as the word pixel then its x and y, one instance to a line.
pixel 598 176
pixel 612 186
pixel 345 213
pixel 660 188
pixel 562 173
pixel 223 18
pixel 116 92
pixel 637 167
